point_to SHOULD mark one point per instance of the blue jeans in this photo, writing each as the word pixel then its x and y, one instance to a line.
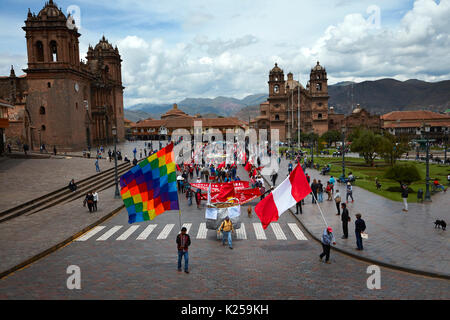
pixel 190 201
pixel 320 197
pixel 227 234
pixel 97 168
pixel 359 242
pixel 186 259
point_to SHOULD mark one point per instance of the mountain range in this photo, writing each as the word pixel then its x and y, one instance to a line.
pixel 377 97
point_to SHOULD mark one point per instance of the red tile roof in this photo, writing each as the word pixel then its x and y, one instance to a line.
pixel 413 115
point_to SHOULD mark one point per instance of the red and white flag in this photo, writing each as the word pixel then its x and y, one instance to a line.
pixel 292 190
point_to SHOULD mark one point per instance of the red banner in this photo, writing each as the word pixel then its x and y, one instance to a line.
pixel 215 187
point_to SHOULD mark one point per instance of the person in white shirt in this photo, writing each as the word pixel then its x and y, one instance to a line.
pixel 95 194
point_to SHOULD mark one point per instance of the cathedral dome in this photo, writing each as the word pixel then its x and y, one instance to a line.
pixel 276 69
pixel 50 10
pixel 318 67
pixel 104 45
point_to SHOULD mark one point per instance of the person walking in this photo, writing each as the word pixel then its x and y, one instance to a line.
pixel 183 243
pixel 327 240
pixel 95 195
pixel 329 191
pixel 345 218
pixel 405 197
pixel 299 207
pixel 198 198
pixel 290 167
pixel 360 226
pixel 189 196
pixel 54 150
pixel 349 192
pixel 89 200
pixel 314 187
pixel 97 167
pixel 337 200
pixel 226 227
pixel 319 191
pixel 274 178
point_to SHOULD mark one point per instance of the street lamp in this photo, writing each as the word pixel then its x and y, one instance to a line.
pixel 425 130
pixel 446 131
pixel 343 130
pixel 116 193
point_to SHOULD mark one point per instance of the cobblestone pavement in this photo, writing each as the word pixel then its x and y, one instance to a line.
pixel 404 239
pixel 119 266
pixel 22 180
pixel 26 236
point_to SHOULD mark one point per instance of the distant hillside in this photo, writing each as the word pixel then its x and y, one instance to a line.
pixel 136 115
pixel 385 95
pixel 220 106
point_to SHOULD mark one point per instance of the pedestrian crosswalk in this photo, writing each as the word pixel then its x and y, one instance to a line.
pixel 276 231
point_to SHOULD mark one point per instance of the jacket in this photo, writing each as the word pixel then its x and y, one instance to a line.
pixel 183 245
pixel 405 192
pixel 226 226
pixel 327 239
pixel 360 225
pixel 344 216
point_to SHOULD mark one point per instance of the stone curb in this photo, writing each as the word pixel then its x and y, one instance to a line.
pixel 63 243
pixel 369 260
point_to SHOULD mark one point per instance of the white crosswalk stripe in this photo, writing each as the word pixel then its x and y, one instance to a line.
pixel 126 234
pixel 165 232
pixel 109 233
pixel 240 233
pixel 202 231
pixel 90 233
pixel 297 232
pixel 279 234
pixel 259 231
pixel 144 234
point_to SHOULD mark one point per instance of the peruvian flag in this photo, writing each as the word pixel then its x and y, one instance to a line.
pixel 292 190
pixel 248 166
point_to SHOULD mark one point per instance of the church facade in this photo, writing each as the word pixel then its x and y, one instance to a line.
pixel 63 101
pixel 281 111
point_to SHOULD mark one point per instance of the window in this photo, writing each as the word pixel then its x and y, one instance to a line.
pixel 42 110
pixel 39 51
pixel 320 104
pixel 76 105
pixel 318 86
pixel 54 50
pixel 276 89
pixel 277 117
pixel 319 116
pixel 43 127
pixel 49 85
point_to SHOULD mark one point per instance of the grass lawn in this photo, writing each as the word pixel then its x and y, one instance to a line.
pixel 366 175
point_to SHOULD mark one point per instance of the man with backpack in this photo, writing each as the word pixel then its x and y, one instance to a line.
pixel 226 227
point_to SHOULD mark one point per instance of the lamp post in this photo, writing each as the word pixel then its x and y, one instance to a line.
pixel 343 130
pixel 425 130
pixel 116 193
pixel 445 145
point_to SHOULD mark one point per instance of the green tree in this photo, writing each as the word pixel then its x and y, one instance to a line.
pixel 403 173
pixel 392 148
pixel 368 144
pixel 331 136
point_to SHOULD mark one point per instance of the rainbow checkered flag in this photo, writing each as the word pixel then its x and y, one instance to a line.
pixel 150 188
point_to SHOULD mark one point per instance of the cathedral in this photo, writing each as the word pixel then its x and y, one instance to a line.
pixel 280 111
pixel 63 101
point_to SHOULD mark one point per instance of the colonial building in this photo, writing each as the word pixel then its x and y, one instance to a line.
pixel 409 123
pixel 359 117
pixel 290 106
pixel 153 129
pixel 63 101
pixel 281 110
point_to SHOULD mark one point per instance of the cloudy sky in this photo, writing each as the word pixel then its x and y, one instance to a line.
pixel 194 48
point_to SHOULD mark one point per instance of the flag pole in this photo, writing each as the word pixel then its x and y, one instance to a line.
pixel 321 213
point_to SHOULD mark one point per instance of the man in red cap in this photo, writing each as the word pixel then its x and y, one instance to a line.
pixel 327 239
